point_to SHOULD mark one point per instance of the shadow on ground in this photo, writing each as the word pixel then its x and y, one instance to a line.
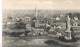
pixel 55 43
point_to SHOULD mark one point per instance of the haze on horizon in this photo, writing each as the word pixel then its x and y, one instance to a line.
pixel 41 4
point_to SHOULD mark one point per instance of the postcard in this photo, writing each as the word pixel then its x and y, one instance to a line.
pixel 41 23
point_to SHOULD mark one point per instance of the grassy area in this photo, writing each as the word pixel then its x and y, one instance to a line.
pixel 29 41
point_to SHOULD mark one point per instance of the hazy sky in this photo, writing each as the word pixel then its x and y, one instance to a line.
pixel 41 4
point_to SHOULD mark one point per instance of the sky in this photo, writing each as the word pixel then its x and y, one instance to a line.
pixel 41 4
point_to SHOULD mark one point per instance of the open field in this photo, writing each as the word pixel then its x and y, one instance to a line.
pixel 36 42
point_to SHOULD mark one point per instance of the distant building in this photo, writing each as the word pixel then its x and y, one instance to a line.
pixel 26 19
pixel 75 21
pixel 58 22
pixel 75 18
pixel 57 18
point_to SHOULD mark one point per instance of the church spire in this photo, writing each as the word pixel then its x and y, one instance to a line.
pixel 35 11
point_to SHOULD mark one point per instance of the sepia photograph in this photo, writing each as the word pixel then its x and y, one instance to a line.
pixel 41 23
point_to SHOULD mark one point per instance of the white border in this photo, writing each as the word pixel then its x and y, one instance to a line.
pixel 0 23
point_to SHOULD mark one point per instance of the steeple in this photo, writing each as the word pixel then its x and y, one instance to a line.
pixel 35 11
pixel 36 23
